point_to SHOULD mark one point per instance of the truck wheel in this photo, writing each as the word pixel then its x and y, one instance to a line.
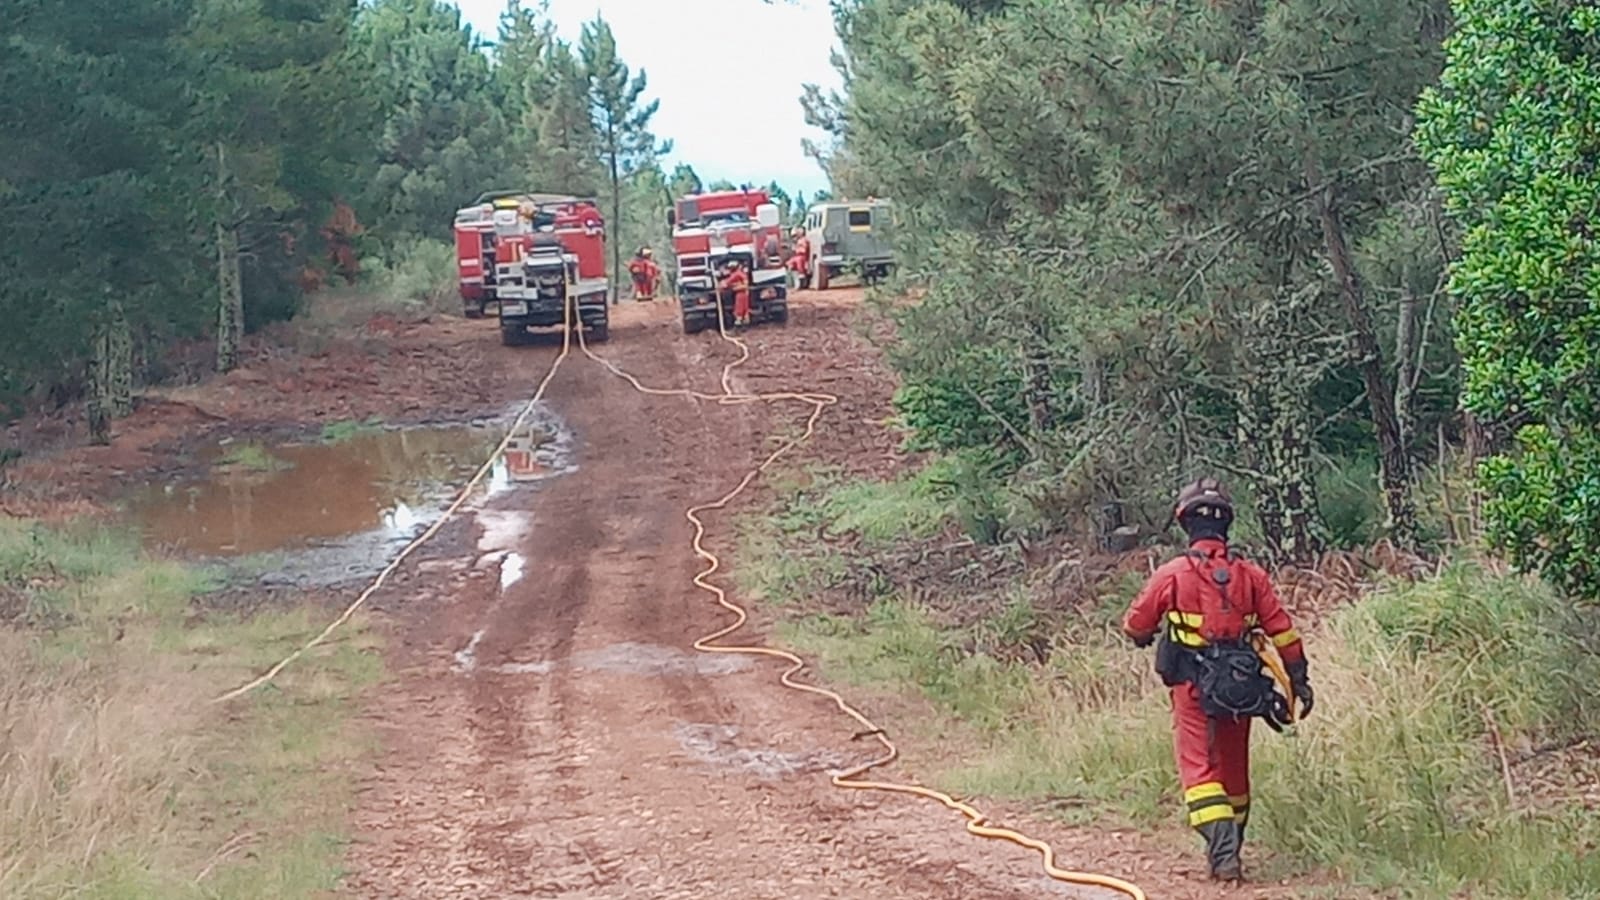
pixel 600 332
pixel 821 276
pixel 692 324
pixel 512 335
pixel 474 312
pixel 780 314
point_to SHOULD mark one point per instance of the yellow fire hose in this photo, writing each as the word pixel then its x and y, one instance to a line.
pixel 976 822
pixel 427 534
pixel 1274 663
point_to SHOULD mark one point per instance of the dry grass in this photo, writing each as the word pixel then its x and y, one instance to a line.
pixel 1454 723
pixel 117 778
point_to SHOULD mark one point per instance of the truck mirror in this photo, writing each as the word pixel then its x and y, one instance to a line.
pixel 672 218
pixel 767 215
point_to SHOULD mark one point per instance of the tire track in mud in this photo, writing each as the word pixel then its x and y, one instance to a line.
pixel 619 764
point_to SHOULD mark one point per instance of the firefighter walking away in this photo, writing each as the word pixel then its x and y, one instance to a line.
pixel 1209 611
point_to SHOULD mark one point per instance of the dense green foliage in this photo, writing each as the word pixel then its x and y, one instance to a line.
pixel 1159 239
pixel 1512 133
pixel 188 169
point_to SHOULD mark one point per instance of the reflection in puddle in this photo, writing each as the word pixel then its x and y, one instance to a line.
pixel 467 657
pixel 511 570
pixel 296 495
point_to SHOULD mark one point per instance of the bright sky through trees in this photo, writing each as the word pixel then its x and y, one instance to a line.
pixel 728 74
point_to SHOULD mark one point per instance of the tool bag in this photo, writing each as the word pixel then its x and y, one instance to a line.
pixel 1228 673
pixel 1232 682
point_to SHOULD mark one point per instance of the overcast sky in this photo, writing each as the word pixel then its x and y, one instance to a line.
pixel 731 106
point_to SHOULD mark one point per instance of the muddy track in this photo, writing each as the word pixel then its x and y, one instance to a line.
pixel 555 736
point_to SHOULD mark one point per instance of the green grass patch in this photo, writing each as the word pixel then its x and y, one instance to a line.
pixel 121 780
pixel 782 552
pixel 252 457
pixel 340 432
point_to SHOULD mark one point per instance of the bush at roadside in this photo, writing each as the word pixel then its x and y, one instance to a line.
pixel 417 274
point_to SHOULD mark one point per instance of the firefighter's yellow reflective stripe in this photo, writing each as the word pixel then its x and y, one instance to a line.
pixel 1218 813
pixel 1205 791
pixel 1286 638
pixel 1186 638
pixel 1188 620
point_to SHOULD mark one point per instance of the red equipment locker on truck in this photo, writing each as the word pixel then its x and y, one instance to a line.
pixel 711 229
pixel 549 257
pixel 475 249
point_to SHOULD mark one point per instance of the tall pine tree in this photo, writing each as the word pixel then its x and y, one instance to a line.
pixel 621 121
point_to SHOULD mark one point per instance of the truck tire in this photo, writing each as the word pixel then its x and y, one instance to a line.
pixel 821 277
pixel 692 324
pixel 512 336
pixel 779 314
pixel 473 312
pixel 600 332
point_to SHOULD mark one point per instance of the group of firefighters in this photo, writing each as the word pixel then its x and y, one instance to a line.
pixel 734 279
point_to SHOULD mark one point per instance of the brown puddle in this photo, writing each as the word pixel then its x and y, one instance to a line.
pixel 259 498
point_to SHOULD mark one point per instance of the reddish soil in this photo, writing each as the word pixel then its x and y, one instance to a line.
pixel 558 738
pixel 548 731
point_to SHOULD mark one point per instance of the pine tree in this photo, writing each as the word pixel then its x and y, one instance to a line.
pixel 621 120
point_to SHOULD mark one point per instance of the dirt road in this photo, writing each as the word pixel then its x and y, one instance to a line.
pixel 552 734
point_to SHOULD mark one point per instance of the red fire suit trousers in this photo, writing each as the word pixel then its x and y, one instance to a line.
pixel 741 304
pixel 1213 760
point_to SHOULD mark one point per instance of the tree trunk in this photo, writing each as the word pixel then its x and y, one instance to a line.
pixel 1408 365
pixel 1038 390
pixel 119 361
pixel 230 296
pixel 1394 466
pixel 1275 430
pixel 615 231
pixel 1282 363
pixel 99 406
pixel 230 292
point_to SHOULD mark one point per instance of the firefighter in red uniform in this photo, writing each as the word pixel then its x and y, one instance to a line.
pixel 1203 606
pixel 645 274
pixel 737 281
pixel 800 260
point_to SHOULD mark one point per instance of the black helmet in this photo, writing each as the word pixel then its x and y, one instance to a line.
pixel 1206 498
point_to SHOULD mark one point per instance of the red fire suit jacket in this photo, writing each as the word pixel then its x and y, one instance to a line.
pixel 1182 597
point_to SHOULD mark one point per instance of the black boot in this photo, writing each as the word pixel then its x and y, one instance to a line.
pixel 1223 840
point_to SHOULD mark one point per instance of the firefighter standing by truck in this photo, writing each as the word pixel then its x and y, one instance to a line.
pixel 800 259
pixel 1204 607
pixel 738 282
pixel 646 274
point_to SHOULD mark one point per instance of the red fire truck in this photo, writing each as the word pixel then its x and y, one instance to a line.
pixel 548 257
pixel 475 239
pixel 711 229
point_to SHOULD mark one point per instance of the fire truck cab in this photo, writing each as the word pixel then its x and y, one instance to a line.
pixel 711 229
pixel 549 266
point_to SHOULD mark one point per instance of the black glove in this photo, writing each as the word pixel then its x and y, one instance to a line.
pixel 1301 682
pixel 1142 642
